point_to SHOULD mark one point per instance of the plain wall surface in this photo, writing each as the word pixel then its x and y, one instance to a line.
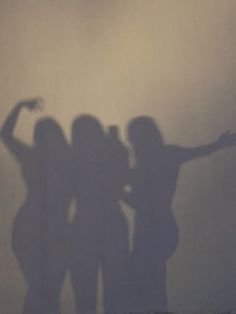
pixel 172 60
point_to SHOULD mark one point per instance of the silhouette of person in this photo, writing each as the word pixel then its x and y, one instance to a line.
pixel 153 182
pixel 40 228
pixel 99 234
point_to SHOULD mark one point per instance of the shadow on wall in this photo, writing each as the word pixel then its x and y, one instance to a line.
pixel 39 235
pixel 95 171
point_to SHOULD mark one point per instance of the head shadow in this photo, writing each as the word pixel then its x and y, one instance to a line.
pixel 99 235
pixel 39 233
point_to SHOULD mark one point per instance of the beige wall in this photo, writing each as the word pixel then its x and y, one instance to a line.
pixel 174 60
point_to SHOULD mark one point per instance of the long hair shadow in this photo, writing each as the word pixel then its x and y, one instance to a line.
pixel 153 182
pixel 99 234
pixel 40 228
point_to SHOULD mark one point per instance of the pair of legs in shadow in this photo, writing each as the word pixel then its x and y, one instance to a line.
pixel 94 170
pixel 99 231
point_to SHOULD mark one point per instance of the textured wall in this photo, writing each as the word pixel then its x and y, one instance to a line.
pixel 173 60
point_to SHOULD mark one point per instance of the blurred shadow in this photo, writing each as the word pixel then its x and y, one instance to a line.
pixel 95 170
pixel 99 233
pixel 153 182
pixel 40 228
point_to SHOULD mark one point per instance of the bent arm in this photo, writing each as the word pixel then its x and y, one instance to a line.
pixel 7 131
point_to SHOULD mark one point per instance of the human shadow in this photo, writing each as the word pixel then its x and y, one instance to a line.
pixel 153 182
pixel 39 236
pixel 99 231
pixel 95 170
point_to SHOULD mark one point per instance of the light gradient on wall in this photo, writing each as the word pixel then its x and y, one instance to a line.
pixel 173 60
